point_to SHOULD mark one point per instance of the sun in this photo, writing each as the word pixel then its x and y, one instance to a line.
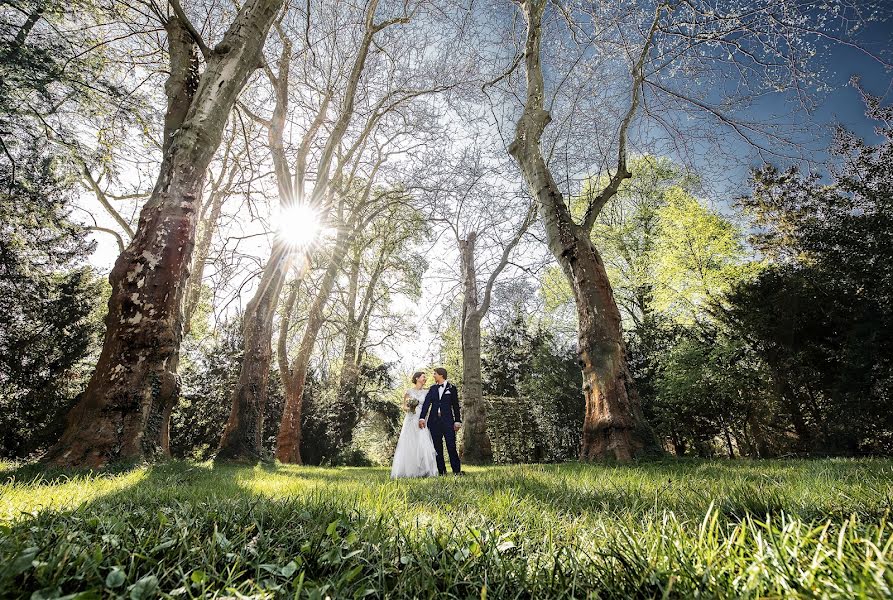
pixel 299 225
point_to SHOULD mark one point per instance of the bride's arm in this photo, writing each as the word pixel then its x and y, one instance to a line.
pixel 406 402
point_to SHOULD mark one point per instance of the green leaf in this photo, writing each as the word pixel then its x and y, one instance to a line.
pixel 352 574
pixel 289 569
pixel 221 540
pixel 332 528
pixel 144 588
pixel 198 576
pixel 23 561
pixel 46 594
pixel 115 578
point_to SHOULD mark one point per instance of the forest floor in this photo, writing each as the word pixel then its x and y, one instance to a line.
pixel 810 528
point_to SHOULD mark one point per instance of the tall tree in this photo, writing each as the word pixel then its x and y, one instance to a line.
pixel 125 411
pixel 600 52
pixel 47 301
pixel 614 424
pixel 241 438
pixel 381 263
pixel 480 208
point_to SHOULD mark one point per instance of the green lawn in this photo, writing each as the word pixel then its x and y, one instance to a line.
pixel 657 529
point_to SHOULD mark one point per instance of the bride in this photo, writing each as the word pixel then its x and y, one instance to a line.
pixel 415 455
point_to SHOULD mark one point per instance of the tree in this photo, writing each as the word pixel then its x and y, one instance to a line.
pixel 125 411
pixel 208 373
pixel 475 202
pixel 382 263
pixel 47 303
pixel 614 424
pixel 654 58
pixel 333 197
pixel 820 314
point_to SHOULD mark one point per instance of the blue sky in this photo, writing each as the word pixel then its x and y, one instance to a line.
pixel 726 177
pixel 844 105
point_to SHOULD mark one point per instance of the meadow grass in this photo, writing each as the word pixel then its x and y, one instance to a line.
pixel 663 529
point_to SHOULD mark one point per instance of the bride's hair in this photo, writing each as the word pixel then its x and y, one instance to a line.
pixel 416 375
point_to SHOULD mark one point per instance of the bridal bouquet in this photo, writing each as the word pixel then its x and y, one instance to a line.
pixel 412 404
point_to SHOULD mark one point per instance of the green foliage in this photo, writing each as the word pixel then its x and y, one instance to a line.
pixel 532 389
pixel 709 387
pixel 323 419
pixel 697 256
pixel 48 306
pixel 665 529
pixel 208 372
pixel 821 315
pixel 52 60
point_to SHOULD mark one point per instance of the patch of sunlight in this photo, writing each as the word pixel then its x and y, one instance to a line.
pixel 23 499
pixel 281 482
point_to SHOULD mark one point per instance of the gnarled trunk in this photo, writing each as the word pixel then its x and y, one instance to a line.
pixel 476 447
pixel 125 411
pixel 614 425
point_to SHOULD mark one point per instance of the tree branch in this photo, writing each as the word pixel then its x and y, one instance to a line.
pixel 196 36
pixel 638 76
pixel 504 259
pixel 100 195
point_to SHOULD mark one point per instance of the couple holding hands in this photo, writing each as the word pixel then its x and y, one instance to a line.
pixel 432 418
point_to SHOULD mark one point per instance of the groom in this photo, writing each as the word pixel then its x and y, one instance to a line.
pixel 444 420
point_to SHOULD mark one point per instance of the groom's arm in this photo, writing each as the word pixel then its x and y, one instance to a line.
pixel 456 413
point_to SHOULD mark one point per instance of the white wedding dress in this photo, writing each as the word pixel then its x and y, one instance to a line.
pixel 415 455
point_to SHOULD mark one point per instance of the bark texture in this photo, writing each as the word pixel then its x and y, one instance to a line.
pixel 124 413
pixel 614 426
pixel 475 440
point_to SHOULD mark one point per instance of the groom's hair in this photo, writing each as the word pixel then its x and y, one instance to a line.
pixel 416 375
pixel 441 371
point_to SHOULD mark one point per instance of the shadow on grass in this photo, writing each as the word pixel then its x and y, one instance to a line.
pixel 204 529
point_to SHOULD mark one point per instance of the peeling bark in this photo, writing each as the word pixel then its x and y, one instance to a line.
pixel 614 426
pixel 125 411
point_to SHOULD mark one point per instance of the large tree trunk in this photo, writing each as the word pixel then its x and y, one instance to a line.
pixel 125 411
pixel 241 440
pixel 288 442
pixel 614 425
pixel 475 440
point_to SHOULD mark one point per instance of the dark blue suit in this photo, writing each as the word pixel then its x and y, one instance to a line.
pixel 444 413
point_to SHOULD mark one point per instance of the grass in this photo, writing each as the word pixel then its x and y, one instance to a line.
pixel 651 530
